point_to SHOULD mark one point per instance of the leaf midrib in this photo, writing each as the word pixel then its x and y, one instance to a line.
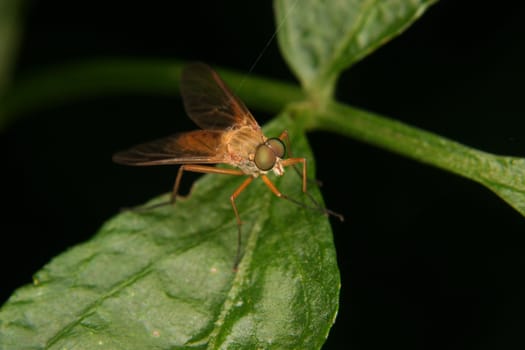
pixel 244 270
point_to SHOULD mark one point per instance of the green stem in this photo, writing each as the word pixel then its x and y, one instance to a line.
pixel 502 174
pixel 103 77
pixel 400 138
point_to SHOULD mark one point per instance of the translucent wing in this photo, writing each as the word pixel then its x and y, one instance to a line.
pixel 209 102
pixel 200 146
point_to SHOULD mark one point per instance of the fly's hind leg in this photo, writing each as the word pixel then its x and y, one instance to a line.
pixel 238 217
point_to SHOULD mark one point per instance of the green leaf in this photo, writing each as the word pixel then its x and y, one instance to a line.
pixel 163 279
pixel 319 39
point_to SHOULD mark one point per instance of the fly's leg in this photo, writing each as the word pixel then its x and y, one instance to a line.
pixel 236 194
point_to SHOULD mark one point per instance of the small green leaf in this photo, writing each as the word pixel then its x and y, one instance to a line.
pixel 163 279
pixel 320 39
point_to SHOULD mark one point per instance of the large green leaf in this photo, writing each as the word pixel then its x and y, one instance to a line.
pixel 319 39
pixel 163 279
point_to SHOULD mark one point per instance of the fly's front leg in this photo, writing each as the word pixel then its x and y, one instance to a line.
pixel 316 207
pixel 286 139
pixel 293 162
pixel 279 194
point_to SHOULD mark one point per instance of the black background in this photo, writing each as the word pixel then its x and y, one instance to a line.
pixel 428 259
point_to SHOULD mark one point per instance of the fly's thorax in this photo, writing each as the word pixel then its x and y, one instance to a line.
pixel 241 146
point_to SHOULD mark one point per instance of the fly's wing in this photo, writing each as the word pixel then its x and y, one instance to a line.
pixel 209 102
pixel 194 147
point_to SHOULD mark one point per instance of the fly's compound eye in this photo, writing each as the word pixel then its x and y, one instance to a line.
pixel 264 157
pixel 268 152
pixel 277 146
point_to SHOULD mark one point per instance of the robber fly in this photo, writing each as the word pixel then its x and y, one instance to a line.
pixel 229 135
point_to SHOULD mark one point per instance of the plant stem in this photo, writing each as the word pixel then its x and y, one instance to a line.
pixel 502 174
pixel 398 137
pixel 104 77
